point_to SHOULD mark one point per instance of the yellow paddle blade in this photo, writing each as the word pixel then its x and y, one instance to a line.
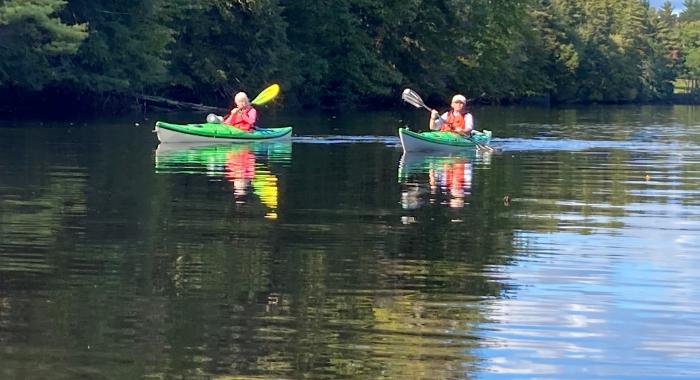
pixel 266 95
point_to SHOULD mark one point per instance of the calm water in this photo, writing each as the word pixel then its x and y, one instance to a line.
pixel 571 253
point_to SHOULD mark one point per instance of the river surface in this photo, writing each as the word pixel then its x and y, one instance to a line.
pixel 572 252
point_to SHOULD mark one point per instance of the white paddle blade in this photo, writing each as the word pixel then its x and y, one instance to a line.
pixel 410 97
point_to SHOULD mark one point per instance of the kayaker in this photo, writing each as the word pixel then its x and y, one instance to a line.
pixel 242 116
pixel 458 119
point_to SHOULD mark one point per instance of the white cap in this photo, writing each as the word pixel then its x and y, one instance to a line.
pixel 459 98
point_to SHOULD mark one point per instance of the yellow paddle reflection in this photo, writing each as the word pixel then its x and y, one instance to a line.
pixel 244 166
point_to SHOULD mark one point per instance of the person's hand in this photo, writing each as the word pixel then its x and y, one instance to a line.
pixel 235 110
pixel 434 114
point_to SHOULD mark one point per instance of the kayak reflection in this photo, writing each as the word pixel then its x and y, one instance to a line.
pixel 437 178
pixel 245 166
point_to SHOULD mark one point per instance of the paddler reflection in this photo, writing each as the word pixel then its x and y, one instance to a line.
pixel 435 179
pixel 453 177
pixel 244 166
pixel 239 169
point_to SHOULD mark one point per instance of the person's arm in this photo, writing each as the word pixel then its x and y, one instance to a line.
pixel 228 119
pixel 436 121
pixel 433 117
pixel 468 123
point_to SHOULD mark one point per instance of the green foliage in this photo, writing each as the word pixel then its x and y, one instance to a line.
pixel 497 59
pixel 126 47
pixel 221 47
pixel 35 45
pixel 691 11
pixel 690 34
pixel 346 49
pixel 692 62
pixel 348 52
pixel 604 51
pixel 690 42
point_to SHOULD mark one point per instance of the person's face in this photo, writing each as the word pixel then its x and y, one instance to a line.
pixel 457 106
pixel 241 103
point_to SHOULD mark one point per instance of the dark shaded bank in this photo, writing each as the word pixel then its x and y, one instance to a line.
pixel 687 99
pixel 59 103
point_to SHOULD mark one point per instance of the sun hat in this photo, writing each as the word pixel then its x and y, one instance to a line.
pixel 459 98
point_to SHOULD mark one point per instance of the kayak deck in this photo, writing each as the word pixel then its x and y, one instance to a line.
pixel 169 132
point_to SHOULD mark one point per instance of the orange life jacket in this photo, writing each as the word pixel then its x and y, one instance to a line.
pixel 245 121
pixel 454 123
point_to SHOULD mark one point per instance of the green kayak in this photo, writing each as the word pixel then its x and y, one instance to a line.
pixel 441 141
pixel 182 133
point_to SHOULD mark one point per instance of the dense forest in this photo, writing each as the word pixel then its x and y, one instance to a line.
pixel 345 53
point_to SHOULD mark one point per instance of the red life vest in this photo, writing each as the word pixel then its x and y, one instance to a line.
pixel 244 121
pixel 454 123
